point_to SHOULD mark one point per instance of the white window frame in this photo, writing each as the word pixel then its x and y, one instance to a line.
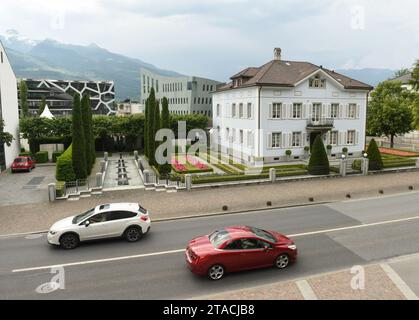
pixel 249 110
pixel 352 111
pixel 332 114
pixel 336 135
pixel 297 110
pixel 349 135
pixel 297 139
pixel 276 112
pixel 276 140
pixel 241 111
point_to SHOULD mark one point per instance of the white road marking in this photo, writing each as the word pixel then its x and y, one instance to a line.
pixel 358 226
pixel 400 284
pixel 78 263
pixel 182 250
pixel 306 290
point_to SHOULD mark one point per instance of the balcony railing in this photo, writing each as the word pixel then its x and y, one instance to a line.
pixel 323 123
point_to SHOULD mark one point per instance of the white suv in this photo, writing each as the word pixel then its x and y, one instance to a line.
pixel 128 220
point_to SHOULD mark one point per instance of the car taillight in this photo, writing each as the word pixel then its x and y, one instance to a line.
pixel 144 217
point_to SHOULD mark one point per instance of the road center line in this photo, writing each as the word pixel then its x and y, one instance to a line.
pixel 182 250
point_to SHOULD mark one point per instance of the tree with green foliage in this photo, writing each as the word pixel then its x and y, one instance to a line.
pixel 156 127
pixel 150 126
pixel 374 156
pixel 42 106
pixel 165 124
pixel 415 76
pixel 78 144
pixel 319 163
pixel 146 123
pixel 389 112
pixel 5 137
pixel 87 130
pixel 23 95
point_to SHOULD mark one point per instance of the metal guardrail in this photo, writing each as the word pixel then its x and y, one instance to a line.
pixel 322 122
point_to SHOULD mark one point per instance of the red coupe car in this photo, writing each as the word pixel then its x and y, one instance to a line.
pixel 23 163
pixel 239 248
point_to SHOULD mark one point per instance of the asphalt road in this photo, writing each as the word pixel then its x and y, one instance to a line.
pixel 329 237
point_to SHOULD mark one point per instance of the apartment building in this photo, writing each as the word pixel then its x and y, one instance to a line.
pixel 186 95
pixel 8 110
pixel 283 105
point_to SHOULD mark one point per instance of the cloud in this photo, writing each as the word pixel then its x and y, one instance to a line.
pixel 216 38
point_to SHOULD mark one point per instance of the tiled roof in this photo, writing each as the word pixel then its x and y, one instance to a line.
pixel 288 74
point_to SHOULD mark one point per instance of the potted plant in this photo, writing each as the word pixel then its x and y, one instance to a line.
pixel 329 149
pixel 345 151
pixel 288 153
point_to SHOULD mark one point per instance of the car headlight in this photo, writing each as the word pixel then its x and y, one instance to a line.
pixel 52 232
pixel 292 247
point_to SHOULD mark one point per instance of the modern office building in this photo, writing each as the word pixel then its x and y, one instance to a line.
pixel 59 95
pixel 8 110
pixel 186 95
pixel 283 105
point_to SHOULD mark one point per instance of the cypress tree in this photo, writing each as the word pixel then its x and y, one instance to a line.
pixel 156 127
pixel 146 123
pixel 23 93
pixel 79 150
pixel 165 124
pixel 42 106
pixel 374 156
pixel 319 163
pixel 151 118
pixel 87 130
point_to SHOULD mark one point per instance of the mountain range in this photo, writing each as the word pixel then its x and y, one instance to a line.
pixel 38 59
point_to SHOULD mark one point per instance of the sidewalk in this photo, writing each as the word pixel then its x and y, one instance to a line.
pixel 381 282
pixel 40 216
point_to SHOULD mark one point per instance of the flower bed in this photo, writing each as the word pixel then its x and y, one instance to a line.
pixel 188 164
pixel 396 152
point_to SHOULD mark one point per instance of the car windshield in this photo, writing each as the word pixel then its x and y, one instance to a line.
pixel 263 234
pixel 218 237
pixel 81 216
pixel 19 160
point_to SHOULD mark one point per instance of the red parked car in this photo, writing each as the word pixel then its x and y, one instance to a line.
pixel 239 248
pixel 23 163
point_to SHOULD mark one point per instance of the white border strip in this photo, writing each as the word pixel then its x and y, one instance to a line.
pixel 306 290
pixel 400 284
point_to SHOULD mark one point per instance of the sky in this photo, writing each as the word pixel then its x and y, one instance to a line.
pixel 218 38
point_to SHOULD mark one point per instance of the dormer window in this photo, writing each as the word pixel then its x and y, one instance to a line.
pixel 317 82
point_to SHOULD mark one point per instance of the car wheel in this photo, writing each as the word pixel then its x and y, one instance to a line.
pixel 282 261
pixel 133 234
pixel 69 241
pixel 216 272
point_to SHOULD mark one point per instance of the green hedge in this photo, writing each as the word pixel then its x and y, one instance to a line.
pixel 29 154
pixel 226 168
pixel 41 156
pixel 64 170
pixel 399 163
pixel 55 155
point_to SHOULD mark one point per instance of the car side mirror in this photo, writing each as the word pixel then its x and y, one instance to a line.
pixel 86 223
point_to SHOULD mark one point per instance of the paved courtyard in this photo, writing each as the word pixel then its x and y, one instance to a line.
pixel 26 187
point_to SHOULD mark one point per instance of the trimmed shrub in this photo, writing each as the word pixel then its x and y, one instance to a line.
pixel 329 147
pixel 319 163
pixel 41 156
pixel 55 155
pixel 356 165
pixel 64 170
pixel 22 149
pixel 288 153
pixel 344 150
pixel 27 153
pixel 306 148
pixel 374 156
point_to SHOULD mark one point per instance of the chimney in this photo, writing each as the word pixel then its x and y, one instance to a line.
pixel 277 53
